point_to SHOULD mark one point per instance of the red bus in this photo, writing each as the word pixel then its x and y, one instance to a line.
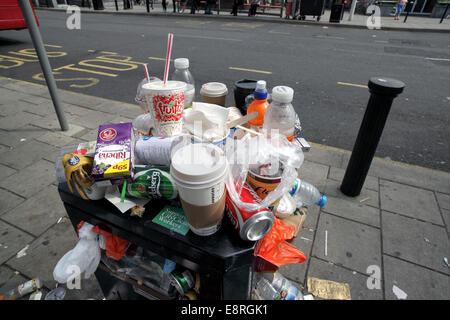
pixel 11 16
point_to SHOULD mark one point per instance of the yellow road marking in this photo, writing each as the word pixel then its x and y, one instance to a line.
pixel 52 45
pixel 278 32
pixel 381 41
pixel 242 25
pixel 448 98
pixel 250 70
pixel 329 37
pixel 352 84
pixel 156 58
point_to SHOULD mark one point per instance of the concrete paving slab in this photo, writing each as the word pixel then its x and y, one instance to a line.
pixel 38 213
pixel 366 197
pixel 357 281
pixel 47 249
pixel 57 139
pixel 26 154
pixel 443 200
pixel 313 173
pixel 326 156
pixel 337 174
pixel 417 282
pixel 8 201
pixel 353 211
pixel 349 244
pixel 12 240
pixel 30 180
pixel 18 120
pixel 418 242
pixel 410 201
pixel 446 216
pixel 411 175
pixel 17 137
pixel 6 171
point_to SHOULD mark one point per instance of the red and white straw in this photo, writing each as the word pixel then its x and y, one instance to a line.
pixel 146 73
pixel 169 52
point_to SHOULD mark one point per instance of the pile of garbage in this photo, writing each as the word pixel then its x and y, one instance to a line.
pixel 213 159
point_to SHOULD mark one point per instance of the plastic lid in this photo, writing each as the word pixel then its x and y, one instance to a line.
pixel 260 91
pixel 282 94
pixel 181 63
pixel 322 201
pixel 198 164
pixel 214 89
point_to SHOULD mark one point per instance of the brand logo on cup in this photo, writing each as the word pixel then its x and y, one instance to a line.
pixel 108 134
pixel 73 161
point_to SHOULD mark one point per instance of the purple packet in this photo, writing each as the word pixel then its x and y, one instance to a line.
pixel 114 153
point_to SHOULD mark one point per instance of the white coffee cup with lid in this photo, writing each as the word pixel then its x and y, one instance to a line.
pixel 214 92
pixel 199 172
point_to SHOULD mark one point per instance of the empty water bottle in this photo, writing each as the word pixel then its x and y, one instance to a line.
pixel 182 73
pixel 280 114
pixel 306 194
pixel 274 286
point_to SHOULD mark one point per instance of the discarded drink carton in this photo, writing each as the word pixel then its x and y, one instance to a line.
pixel 114 153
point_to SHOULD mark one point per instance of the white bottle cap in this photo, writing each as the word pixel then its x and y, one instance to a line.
pixel 260 84
pixel 282 94
pixel 181 63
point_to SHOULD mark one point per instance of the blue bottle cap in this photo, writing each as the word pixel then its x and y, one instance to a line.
pixel 322 201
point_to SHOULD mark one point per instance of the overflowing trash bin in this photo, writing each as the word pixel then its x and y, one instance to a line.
pixel 191 200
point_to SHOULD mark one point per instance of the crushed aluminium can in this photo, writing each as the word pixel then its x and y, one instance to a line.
pixel 183 281
pixel 251 225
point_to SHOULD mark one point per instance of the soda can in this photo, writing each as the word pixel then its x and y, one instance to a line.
pixel 183 281
pixel 251 225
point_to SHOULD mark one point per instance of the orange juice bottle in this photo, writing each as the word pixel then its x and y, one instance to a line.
pixel 259 105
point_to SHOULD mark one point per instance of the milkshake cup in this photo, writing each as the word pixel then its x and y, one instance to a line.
pixel 166 103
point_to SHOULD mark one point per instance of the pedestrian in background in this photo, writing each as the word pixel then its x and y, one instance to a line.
pixel 164 5
pixel 400 6
pixel 182 5
pixel 288 9
pixel 296 12
pixel 194 5
pixel 253 7
pixel 236 5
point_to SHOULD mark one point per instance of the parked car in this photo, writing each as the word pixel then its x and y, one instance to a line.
pixel 11 16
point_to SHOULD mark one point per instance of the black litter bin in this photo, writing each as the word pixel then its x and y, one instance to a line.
pixel 223 261
pixel 242 88
pixel 337 12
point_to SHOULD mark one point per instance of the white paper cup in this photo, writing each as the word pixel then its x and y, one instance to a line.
pixel 166 104
pixel 199 172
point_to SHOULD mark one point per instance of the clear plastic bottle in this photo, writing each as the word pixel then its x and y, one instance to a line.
pixel 280 115
pixel 306 194
pixel 273 286
pixel 182 73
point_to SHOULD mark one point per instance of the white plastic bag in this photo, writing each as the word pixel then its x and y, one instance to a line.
pixel 274 154
pixel 86 256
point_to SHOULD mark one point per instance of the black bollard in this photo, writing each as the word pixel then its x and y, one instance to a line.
pixel 382 93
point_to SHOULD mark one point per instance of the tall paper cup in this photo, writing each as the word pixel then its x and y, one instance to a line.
pixel 166 103
pixel 199 172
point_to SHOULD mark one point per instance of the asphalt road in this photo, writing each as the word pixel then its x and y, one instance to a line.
pixel 327 67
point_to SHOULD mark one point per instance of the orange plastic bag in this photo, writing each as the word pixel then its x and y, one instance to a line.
pixel 273 251
pixel 115 246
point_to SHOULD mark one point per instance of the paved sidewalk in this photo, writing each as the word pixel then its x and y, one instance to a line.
pixel 396 231
pixel 413 23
